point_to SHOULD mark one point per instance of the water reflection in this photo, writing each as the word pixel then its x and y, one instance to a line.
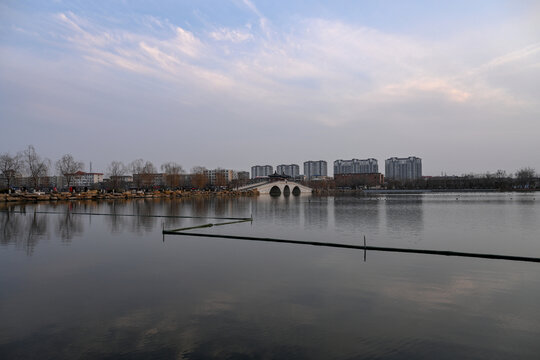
pixel 357 215
pixel 23 230
pixel 116 222
pixel 200 206
pixel 143 208
pixel 68 226
pixel 316 212
pixel 281 210
pixel 405 215
pixel 113 296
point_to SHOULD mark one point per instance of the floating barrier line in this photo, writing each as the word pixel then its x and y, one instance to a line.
pixel 208 225
pixel 240 219
pixel 360 247
pixel 286 241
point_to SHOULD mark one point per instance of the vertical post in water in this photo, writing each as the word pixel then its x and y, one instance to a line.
pixel 364 248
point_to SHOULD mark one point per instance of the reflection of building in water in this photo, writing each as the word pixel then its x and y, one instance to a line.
pixel 359 216
pixel 316 213
pixel 405 215
pixel 279 210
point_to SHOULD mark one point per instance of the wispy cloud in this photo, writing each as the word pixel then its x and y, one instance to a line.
pixel 321 61
pixel 233 35
pixel 263 21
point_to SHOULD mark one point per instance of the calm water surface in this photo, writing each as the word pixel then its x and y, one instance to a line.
pixel 81 286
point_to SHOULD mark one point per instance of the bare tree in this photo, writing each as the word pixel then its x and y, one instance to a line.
pixel 525 173
pixel 199 179
pixel 173 173
pixel 221 180
pixel 35 165
pixel 116 171
pixel 143 173
pixel 525 176
pixel 67 167
pixel 11 166
pixel 136 167
pixel 149 173
pixel 500 174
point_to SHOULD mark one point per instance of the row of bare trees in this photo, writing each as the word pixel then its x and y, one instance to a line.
pixel 144 173
pixel 29 163
pixel 36 167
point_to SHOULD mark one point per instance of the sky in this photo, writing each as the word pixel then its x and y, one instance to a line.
pixel 237 83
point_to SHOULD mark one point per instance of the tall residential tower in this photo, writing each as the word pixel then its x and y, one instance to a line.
pixel 315 169
pixel 403 169
pixel 356 166
pixel 292 170
pixel 261 171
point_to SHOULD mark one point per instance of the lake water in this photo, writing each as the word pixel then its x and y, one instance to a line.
pixel 113 287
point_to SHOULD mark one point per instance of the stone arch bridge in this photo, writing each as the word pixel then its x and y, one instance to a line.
pixel 276 188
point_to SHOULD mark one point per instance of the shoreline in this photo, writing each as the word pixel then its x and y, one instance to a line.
pixel 336 192
pixel 96 195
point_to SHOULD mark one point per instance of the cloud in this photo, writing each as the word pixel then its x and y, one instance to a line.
pixel 331 63
pixel 264 23
pixel 232 35
pixel 514 56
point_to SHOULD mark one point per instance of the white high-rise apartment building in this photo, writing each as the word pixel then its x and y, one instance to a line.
pixel 315 169
pixel 292 170
pixel 261 171
pixel 356 166
pixel 409 168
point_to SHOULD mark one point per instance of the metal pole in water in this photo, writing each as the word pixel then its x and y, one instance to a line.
pixel 365 248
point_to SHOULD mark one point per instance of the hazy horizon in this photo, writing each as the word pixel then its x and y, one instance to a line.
pixel 242 83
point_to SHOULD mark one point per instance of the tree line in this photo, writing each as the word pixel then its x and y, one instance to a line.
pixel 28 162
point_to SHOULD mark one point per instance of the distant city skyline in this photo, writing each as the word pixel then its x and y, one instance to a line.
pixel 233 84
pixel 364 166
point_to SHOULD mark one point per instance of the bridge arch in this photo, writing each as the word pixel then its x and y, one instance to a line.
pixel 275 191
pixel 286 190
pixel 296 191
